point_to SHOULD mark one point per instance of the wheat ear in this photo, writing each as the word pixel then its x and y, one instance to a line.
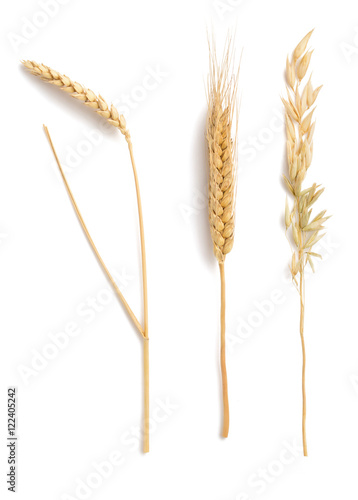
pixel 79 92
pixel 306 229
pixel 222 111
pixel 99 105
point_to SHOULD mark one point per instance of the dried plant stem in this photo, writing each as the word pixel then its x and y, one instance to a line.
pixel 145 301
pixel 142 241
pixel 84 227
pixel 143 332
pixel 301 244
pixel 225 431
pixel 146 394
pixel 302 319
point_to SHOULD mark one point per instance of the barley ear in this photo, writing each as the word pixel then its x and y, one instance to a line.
pixel 222 157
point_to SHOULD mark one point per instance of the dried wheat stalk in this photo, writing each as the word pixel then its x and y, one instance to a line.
pixel 221 116
pixel 98 104
pixel 306 229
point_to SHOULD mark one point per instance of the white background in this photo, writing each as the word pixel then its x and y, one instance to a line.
pixel 86 403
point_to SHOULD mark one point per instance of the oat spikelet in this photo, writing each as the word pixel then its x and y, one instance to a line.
pixel 221 129
pixel 77 91
pixel 306 229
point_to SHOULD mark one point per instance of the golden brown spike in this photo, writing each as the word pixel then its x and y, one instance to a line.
pixel 222 113
pixel 221 140
pixel 97 103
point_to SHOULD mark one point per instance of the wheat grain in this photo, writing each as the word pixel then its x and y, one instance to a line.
pixel 221 141
pixel 99 105
pixel 79 92
pixel 222 110
pixel 306 230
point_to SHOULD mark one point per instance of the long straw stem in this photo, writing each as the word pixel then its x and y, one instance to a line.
pixel 84 227
pixel 302 318
pixel 143 332
pixel 301 256
pixel 145 301
pixel 225 431
pixel 146 395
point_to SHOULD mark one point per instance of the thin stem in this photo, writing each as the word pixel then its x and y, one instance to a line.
pixel 225 431
pixel 142 331
pixel 145 301
pixel 302 318
pixel 302 241
pixel 142 242
pixel 146 395
pixel 84 227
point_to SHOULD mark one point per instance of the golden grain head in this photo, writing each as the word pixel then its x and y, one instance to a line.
pixel 221 140
pixel 79 92
pixel 306 230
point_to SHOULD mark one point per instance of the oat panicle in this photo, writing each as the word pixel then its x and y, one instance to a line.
pixel 306 228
